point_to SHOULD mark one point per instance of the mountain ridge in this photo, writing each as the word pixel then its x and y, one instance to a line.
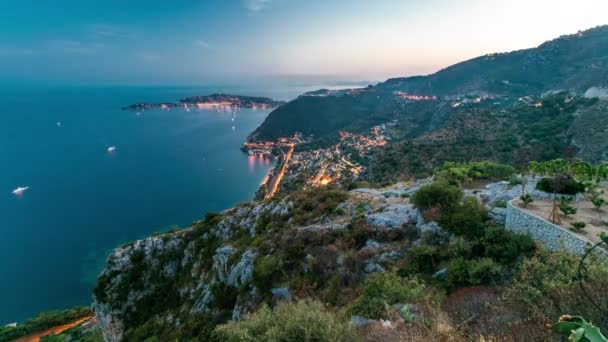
pixel 573 62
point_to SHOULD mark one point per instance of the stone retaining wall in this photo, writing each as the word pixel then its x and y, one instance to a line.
pixel 552 236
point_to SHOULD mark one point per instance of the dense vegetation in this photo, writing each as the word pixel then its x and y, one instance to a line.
pixel 508 133
pixel 44 321
pixel 457 281
pixel 558 64
pixel 300 321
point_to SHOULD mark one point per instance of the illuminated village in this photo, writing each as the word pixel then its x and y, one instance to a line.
pixel 217 102
pixel 338 164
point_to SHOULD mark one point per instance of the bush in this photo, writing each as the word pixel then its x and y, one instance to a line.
pixel 562 184
pixel 567 209
pixel 421 259
pixel 264 270
pixel 438 194
pixel 599 202
pixel 547 286
pixel 505 246
pixel 475 170
pixel 380 291
pixel 314 203
pixel 463 272
pixel 526 199
pixel 300 321
pixel 578 225
pixel 467 218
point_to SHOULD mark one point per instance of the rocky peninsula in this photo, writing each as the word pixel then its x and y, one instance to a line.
pixel 212 101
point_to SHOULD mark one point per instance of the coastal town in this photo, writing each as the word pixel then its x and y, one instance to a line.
pixel 221 102
pixel 340 163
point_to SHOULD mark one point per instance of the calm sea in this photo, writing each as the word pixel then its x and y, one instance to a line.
pixel 169 167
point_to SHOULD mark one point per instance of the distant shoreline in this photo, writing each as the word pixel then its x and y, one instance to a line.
pixel 212 101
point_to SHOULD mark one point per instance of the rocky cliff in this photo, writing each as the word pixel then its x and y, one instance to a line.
pixel 181 284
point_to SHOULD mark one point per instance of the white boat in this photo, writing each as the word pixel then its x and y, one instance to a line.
pixel 58 123
pixel 111 149
pixel 20 190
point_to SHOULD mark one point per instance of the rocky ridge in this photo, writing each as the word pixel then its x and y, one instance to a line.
pixel 210 267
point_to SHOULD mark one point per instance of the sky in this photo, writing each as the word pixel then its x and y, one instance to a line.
pixel 190 42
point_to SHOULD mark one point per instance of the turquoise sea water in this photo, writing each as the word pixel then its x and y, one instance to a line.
pixel 169 168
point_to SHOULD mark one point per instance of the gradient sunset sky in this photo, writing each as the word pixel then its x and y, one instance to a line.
pixel 138 42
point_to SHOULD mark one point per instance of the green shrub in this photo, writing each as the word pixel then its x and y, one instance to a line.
pixel 300 321
pixel 547 286
pixel 484 271
pixel 421 259
pixel 467 218
pixel 438 194
pixel 578 225
pixel 526 199
pixel 566 208
pixel 314 203
pixel 463 272
pixel 474 170
pixel 380 291
pixel 505 246
pixel 264 271
pixel 599 202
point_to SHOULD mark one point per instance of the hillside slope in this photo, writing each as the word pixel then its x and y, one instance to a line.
pixel 574 63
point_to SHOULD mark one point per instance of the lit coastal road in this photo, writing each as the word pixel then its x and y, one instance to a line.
pixel 276 180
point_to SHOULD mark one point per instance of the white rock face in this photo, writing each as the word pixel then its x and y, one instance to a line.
pixel 504 191
pixel 601 93
pixel 220 262
pixel 111 326
pixel 394 216
pixel 241 274
pixel 245 218
pixel 146 255
pixel 237 275
pixel 204 302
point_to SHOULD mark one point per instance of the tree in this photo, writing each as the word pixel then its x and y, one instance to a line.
pixel 582 170
pixel 558 184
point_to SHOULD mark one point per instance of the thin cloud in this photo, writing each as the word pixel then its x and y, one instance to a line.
pixel 255 6
pixel 111 31
pixel 16 51
pixel 73 46
pixel 202 43
pixel 54 46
